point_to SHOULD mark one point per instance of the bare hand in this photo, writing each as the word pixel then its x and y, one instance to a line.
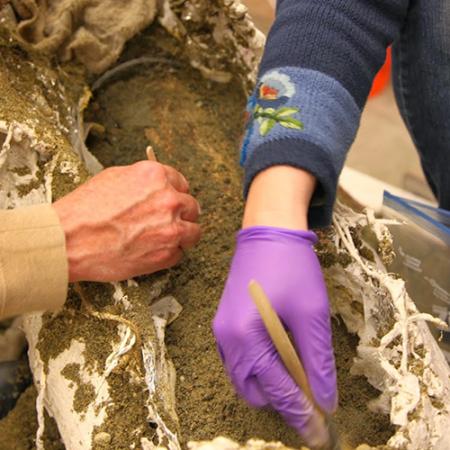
pixel 128 221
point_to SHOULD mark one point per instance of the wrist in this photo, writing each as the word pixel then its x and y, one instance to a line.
pixel 280 197
pixel 276 234
pixel 68 225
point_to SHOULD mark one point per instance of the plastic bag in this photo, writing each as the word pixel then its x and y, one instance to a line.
pixel 422 247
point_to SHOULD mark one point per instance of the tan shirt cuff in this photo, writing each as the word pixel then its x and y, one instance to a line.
pixel 33 261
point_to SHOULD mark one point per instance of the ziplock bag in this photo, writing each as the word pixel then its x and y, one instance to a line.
pixel 422 247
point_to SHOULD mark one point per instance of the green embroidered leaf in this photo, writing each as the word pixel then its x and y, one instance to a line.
pixel 286 111
pixel 267 116
pixel 266 126
pixel 290 122
pixel 265 113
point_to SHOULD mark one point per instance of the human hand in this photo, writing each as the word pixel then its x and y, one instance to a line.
pixel 284 263
pixel 128 221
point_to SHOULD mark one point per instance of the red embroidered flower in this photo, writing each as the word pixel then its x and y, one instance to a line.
pixel 267 92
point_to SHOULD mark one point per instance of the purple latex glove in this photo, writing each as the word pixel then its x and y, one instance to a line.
pixel 284 263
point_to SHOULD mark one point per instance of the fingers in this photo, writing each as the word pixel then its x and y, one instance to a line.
pixel 313 341
pixel 176 179
pixel 190 234
pixel 285 397
pixel 189 208
pixel 253 392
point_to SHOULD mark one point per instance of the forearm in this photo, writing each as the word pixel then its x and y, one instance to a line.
pixel 316 73
pixel 280 197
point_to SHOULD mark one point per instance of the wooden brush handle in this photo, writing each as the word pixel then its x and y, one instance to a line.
pixel 150 153
pixel 281 341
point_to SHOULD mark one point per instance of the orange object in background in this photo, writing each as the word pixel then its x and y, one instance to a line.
pixel 383 76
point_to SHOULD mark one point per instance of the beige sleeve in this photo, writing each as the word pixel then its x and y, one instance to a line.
pixel 33 261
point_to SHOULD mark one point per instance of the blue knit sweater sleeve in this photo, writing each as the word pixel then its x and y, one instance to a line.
pixel 320 59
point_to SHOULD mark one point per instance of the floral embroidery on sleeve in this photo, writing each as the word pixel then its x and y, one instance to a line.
pixel 267 107
pixel 273 91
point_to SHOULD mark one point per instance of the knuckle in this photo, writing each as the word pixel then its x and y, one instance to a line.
pixel 149 169
pixel 179 177
pixel 143 166
pixel 170 200
pixel 158 171
pixel 188 207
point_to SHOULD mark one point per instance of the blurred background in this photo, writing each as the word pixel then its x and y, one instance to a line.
pixel 382 150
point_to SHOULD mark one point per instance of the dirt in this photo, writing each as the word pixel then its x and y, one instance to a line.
pixel 121 418
pixel 32 82
pixel 15 377
pixel 18 429
pixel 69 325
pixel 196 126
pixel 85 392
pixel 127 408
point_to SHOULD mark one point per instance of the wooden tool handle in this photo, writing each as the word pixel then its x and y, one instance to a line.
pixel 150 153
pixel 281 341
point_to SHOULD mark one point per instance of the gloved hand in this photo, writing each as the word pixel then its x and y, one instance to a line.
pixel 284 263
